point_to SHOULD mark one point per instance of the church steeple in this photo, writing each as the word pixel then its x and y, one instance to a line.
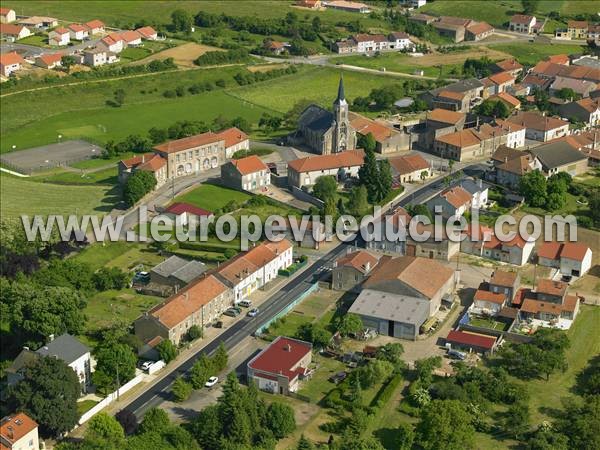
pixel 341 97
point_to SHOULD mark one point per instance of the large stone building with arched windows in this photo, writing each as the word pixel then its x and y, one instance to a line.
pixel 326 132
pixel 187 156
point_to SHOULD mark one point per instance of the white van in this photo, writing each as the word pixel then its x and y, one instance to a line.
pixel 245 303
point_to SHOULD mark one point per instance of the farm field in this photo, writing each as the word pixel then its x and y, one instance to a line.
pixel 106 123
pixel 399 62
pixel 531 54
pixel 318 84
pixel 183 55
pixel 21 196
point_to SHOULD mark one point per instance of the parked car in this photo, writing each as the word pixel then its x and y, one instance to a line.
pixel 567 278
pixel 218 324
pixel 146 365
pixel 456 354
pixel 211 382
pixel 141 277
pixel 253 312
pixel 245 303
pixel 338 377
pixel 232 312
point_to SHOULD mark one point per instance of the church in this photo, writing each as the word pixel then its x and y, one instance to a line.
pixel 326 132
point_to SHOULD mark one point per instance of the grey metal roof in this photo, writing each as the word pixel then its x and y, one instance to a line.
pixel 189 272
pixel 64 347
pixel 557 154
pixel 387 306
pixel 460 86
pixel 180 268
pixel 169 266
pixel 472 186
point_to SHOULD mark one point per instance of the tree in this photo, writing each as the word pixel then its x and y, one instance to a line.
pixel 350 323
pixel 391 352
pixel 330 208
pixel 280 419
pixel 68 61
pixel 315 334
pixel 325 188
pixel 181 389
pixel 580 422
pixel 547 440
pixel 384 185
pixel 358 203
pixel 374 372
pixel 155 420
pixel 567 94
pixel 137 185
pixel 201 371
pixel 303 443
pixel 368 175
pixel 445 424
pixel 425 367
pixel 291 117
pixel 128 421
pixel 167 351
pixel 119 97
pixel 530 6
pixel 423 175
pixel 182 21
pixel 366 142
pixel 194 332
pixel 115 362
pixel 105 431
pixel 404 437
pixel 532 187
pixel 594 203
pixel 48 393
pixel 207 427
pixel 516 419
pixel 220 358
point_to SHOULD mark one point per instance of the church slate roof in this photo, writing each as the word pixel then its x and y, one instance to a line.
pixel 316 118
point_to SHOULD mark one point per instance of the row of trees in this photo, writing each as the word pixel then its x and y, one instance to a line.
pixel 201 371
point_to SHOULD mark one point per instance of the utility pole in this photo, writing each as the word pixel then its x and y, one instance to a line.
pixel 118 382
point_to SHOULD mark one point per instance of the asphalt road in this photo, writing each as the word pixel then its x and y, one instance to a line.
pixel 160 391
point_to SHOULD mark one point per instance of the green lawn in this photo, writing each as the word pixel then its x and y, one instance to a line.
pixel 319 385
pixel 318 84
pixel 571 207
pixel 488 323
pixel 530 54
pixel 212 197
pixel 134 53
pixel 37 40
pixel 106 176
pixel 585 344
pixel 84 406
pixel 124 255
pixel 21 196
pixel 94 163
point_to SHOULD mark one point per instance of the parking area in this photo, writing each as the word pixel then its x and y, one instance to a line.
pixel 49 156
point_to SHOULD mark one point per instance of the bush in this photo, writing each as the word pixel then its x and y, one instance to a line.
pixel 181 389
pixel 385 393
pixel 585 221
pixel 219 57
pixel 170 94
pixel 195 332
pixel 110 278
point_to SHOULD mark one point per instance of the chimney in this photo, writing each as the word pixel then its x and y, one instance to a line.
pixel 288 348
pixel 143 158
pixel 368 266
pixel 186 296
pixel 506 159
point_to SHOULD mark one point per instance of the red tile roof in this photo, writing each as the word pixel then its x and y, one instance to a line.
pixel 521 19
pixel 15 427
pixel 51 58
pixel 10 29
pixel 188 300
pixel 503 278
pixel 472 339
pixel 409 164
pixel 536 121
pixel 232 136
pixel 365 126
pixel 93 24
pixel 574 250
pixel 359 260
pixel 154 163
pixel 77 27
pixel 178 208
pixel 281 357
pixel 551 287
pixel 486 296
pixel 501 78
pixel 508 65
pixel 507 98
pixel 11 58
pixel 480 28
pixel 146 32
pixel 349 158
pixel 549 250
pixel 5 11
pixel 249 164
pixel 533 306
pixel 130 36
pixel 136 160
pixel 452 95
pixel 445 116
pixel 190 142
pixel 582 24
pixel 456 196
pixel 60 30
pixel 558 59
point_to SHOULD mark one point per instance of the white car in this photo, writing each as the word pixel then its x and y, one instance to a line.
pixel 211 381
pixel 147 364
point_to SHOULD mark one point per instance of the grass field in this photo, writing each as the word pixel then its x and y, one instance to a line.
pixel 124 255
pixel 21 196
pixel 105 176
pixel 94 163
pixel 211 197
pixel 530 54
pixel 317 84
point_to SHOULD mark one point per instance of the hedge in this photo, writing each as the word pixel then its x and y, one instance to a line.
pixel 385 393
pixel 294 267
pixel 205 247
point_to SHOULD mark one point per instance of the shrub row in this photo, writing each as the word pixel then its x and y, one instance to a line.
pixel 385 393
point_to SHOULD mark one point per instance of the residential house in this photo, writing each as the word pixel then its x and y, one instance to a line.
pixel 305 171
pixel 10 63
pixel 471 90
pixel 59 36
pixel 534 82
pixel 580 87
pixel 148 33
pixel 253 269
pixel 388 139
pixel 486 302
pixel 399 41
pixel 346 46
pixel 12 33
pixel 111 43
pixel 594 33
pixel 49 60
pixel 352 269
pixel 275 47
pixel 402 293
pixel 511 66
pixel 248 174
pixel 389 233
pixel 131 38
pixel 412 3
pixel 281 366
pixel 78 32
pixel 200 303
pixel 451 202
pixel 19 431
pixel 551 70
pixel 7 15
pixel 577 29
pixel 312 4
pixel 510 101
pixel 235 140
pixel 515 137
pixel 366 43
pixel 539 127
pixel 550 304
pixel 471 143
pixel 440 122
pixel 410 168
pixel 97 57
pixel 149 162
pixel 519 90
pixel 478 191
pixel 472 342
pixel 183 211
pixel 560 156
pixel 587 61
pixel 522 23
pixel 39 22
pixel 571 258
pixel 586 110
pixel 348 6
pixel 511 165
pixel 478 31
pixel 193 154
pixel 176 272
pixel 505 283
pixel 66 348
pixel 442 248
pixel 485 244
pixel 95 26
pixel 500 82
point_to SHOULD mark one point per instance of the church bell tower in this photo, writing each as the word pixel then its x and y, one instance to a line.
pixel 340 113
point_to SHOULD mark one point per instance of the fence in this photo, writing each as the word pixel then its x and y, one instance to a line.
pixel 288 308
pixel 306 197
pixel 109 399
